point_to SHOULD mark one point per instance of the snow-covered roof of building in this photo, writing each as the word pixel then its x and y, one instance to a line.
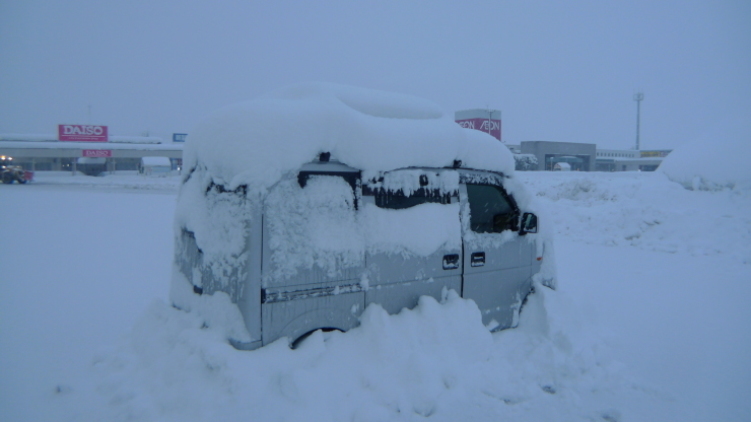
pixel 24 137
pixel 90 145
pixel 256 142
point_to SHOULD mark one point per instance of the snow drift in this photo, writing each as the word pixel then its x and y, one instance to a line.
pixel 650 322
pixel 710 165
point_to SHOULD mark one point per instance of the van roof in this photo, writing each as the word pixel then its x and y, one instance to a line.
pixel 257 142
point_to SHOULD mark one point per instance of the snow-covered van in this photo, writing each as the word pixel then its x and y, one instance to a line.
pixel 299 209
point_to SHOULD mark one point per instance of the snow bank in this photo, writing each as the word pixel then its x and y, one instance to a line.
pixel 436 361
pixel 656 308
pixel 645 210
pixel 710 165
pixel 255 143
pixel 117 181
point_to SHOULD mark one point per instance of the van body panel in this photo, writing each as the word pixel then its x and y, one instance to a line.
pixel 251 291
pixel 394 297
pixel 388 268
pixel 295 242
pixel 310 261
pixel 204 278
pixel 298 316
pixel 305 276
pixel 498 294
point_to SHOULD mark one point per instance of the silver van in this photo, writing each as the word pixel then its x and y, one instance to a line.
pixel 325 242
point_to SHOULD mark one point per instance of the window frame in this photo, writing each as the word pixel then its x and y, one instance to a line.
pixel 495 180
pixel 397 199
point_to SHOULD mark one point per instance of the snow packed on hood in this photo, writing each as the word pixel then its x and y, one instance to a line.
pixel 710 164
pixel 254 143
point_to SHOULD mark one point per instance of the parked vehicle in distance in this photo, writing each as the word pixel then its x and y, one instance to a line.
pixel 10 173
pixel 309 247
pixel 155 166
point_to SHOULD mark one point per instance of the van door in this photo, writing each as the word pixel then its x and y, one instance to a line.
pixel 313 254
pixel 413 235
pixel 497 261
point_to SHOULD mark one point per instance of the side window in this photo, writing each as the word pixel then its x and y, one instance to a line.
pixel 408 188
pixel 491 209
pixel 397 200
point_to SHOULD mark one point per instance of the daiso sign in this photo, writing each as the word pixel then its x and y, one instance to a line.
pixel 82 133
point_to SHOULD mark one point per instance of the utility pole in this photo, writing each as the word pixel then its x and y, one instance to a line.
pixel 490 117
pixel 638 97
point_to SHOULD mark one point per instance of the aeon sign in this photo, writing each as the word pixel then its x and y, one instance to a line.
pixel 82 133
pixel 491 126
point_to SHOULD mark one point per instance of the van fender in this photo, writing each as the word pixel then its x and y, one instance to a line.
pixel 317 319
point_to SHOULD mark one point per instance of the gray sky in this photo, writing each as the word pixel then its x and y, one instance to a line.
pixel 559 70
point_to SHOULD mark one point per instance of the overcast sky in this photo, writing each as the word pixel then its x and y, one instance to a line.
pixel 558 70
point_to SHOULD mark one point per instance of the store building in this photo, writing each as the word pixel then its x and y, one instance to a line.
pixel 579 157
pixel 629 160
pixel 67 153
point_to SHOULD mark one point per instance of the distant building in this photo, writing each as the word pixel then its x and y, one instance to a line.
pixel 579 157
pixel 49 152
pixel 662 153
pixel 629 159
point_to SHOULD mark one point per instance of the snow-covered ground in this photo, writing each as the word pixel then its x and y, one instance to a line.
pixel 650 321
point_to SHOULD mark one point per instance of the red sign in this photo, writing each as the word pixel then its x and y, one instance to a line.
pixel 97 153
pixel 82 133
pixel 491 126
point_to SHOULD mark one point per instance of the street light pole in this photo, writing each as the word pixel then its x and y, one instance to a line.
pixel 638 97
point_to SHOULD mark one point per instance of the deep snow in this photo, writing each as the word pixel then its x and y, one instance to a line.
pixel 649 321
pixel 710 164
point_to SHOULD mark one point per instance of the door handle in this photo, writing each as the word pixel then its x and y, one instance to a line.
pixel 451 262
pixel 477 259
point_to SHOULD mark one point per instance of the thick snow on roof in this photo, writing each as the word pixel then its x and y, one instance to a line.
pixel 710 165
pixel 258 141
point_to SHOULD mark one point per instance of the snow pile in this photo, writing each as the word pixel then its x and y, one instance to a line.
pixel 436 361
pixel 256 142
pixel 633 333
pixel 645 210
pixel 710 165
pixel 118 181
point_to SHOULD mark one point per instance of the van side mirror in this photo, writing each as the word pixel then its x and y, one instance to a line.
pixel 529 223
